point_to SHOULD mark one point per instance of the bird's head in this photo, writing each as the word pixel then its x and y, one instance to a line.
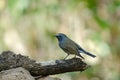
pixel 61 36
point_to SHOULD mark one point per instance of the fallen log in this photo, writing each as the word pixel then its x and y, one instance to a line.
pixel 9 60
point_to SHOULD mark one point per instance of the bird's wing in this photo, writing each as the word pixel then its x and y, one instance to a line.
pixel 77 48
pixel 81 50
pixel 69 47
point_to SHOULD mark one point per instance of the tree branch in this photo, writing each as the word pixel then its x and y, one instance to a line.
pixel 10 60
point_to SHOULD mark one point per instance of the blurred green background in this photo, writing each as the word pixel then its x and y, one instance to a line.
pixel 28 27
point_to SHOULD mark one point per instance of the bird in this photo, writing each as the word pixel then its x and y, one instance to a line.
pixel 70 47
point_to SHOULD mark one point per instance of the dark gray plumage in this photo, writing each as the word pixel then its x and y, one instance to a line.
pixel 70 47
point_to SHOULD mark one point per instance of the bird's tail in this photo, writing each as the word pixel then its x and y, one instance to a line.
pixel 89 54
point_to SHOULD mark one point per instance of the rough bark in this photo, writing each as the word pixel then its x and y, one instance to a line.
pixel 10 60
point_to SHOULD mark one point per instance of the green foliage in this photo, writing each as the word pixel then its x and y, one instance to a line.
pixel 103 23
pixel 92 5
pixel 72 4
pixel 17 7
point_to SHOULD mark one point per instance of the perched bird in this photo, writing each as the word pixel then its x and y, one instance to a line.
pixel 70 47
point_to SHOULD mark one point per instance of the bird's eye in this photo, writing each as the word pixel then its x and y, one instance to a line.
pixel 59 35
pixel 60 38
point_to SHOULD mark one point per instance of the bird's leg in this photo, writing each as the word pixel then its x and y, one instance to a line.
pixel 66 56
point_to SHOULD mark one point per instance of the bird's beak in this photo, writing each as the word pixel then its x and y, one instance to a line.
pixel 56 35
